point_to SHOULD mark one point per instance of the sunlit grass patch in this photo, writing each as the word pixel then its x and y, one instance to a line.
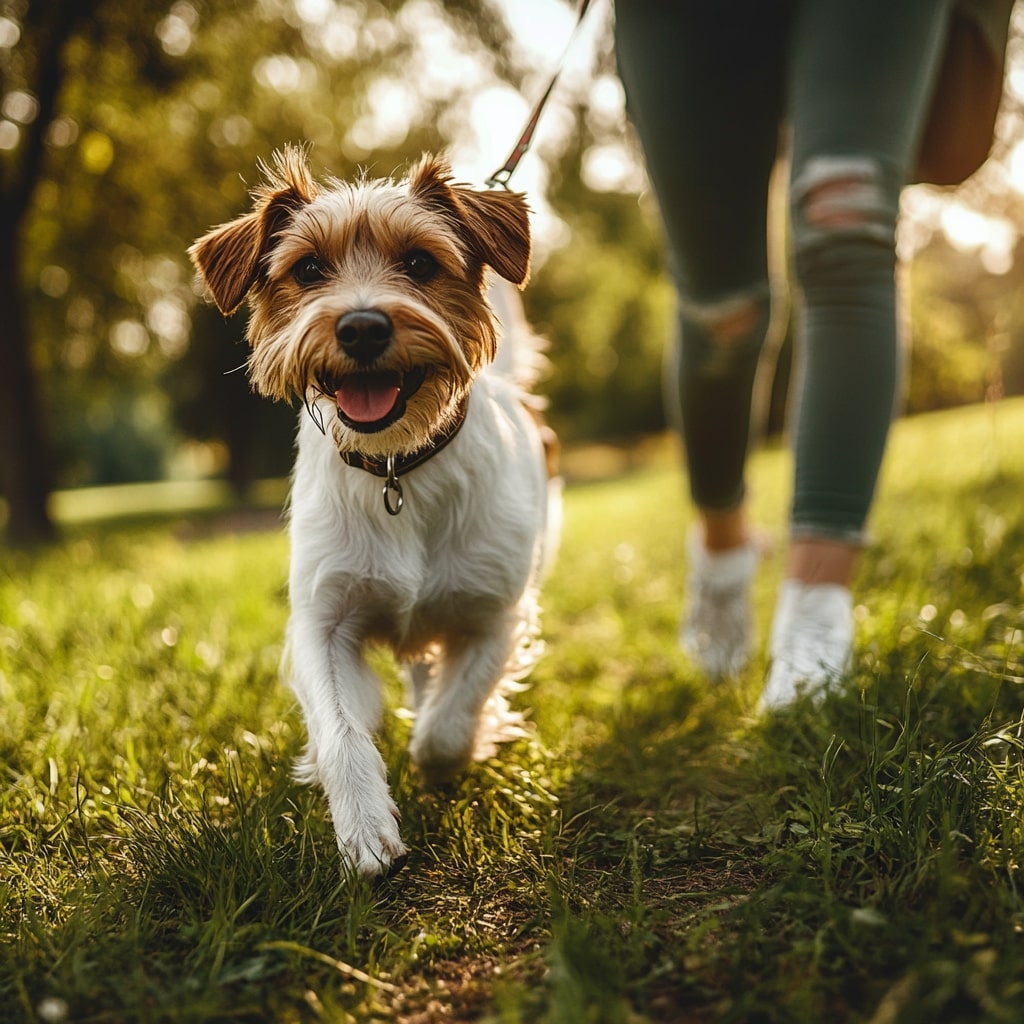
pixel 651 853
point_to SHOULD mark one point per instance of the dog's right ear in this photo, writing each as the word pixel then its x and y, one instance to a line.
pixel 228 257
pixel 495 222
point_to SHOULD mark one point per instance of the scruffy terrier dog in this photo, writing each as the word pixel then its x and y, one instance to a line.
pixel 420 497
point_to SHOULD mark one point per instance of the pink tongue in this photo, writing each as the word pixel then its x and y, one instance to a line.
pixel 367 397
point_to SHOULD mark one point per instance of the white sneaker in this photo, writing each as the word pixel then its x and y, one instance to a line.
pixel 811 641
pixel 717 630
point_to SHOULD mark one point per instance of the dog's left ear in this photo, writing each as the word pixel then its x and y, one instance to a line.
pixel 228 257
pixel 495 222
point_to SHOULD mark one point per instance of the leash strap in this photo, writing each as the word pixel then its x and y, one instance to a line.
pixel 504 173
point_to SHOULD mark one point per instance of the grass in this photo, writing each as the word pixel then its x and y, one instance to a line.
pixel 653 853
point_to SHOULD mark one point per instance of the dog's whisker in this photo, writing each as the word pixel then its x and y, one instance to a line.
pixel 315 413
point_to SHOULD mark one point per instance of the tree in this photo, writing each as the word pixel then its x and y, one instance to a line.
pixel 37 67
pixel 44 45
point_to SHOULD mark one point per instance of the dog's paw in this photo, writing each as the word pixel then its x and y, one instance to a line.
pixel 372 847
pixel 441 748
pixel 436 773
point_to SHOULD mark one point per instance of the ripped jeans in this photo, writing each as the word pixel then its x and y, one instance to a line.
pixel 710 86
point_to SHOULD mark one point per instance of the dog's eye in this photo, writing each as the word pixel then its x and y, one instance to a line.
pixel 419 265
pixel 309 270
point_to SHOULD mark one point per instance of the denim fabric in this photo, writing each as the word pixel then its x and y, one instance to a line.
pixel 711 90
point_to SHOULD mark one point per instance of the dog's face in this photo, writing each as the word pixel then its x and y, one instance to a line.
pixel 369 294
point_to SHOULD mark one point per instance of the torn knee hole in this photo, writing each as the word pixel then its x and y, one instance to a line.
pixel 736 325
pixel 730 321
pixel 842 203
pixel 841 194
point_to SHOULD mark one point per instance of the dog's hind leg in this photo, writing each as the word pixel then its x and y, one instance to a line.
pixel 467 678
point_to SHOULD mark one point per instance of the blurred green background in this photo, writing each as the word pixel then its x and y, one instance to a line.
pixel 126 130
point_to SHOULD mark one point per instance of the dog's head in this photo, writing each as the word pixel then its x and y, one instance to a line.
pixel 370 294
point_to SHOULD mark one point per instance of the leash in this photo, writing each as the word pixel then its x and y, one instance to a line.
pixel 502 175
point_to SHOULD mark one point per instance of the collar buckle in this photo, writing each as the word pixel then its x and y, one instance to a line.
pixel 392 491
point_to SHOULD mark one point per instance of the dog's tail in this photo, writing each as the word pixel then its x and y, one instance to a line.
pixel 522 359
pixel 521 353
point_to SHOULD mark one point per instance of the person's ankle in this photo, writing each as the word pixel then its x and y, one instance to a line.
pixel 724 530
pixel 822 560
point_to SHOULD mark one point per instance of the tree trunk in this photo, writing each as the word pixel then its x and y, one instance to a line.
pixel 25 468
pixel 24 448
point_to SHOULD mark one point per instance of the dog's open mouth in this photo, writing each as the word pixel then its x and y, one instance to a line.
pixel 373 400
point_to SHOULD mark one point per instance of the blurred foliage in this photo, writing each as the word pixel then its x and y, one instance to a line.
pixel 606 305
pixel 967 328
pixel 165 109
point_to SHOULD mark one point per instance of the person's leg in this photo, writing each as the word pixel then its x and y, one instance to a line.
pixel 705 85
pixel 861 76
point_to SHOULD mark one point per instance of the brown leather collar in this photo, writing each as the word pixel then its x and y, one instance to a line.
pixel 378 465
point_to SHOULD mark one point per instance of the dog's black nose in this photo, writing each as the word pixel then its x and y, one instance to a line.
pixel 363 334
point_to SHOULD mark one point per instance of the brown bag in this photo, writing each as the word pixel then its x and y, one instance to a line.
pixel 959 132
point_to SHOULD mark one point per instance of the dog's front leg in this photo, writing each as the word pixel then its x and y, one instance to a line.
pixel 340 697
pixel 445 733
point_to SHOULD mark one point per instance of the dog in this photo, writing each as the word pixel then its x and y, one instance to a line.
pixel 424 498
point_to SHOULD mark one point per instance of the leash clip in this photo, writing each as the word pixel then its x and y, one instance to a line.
pixel 393 498
pixel 500 178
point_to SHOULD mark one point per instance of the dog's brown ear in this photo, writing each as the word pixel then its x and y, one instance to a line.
pixel 228 257
pixel 495 222
pixel 499 222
